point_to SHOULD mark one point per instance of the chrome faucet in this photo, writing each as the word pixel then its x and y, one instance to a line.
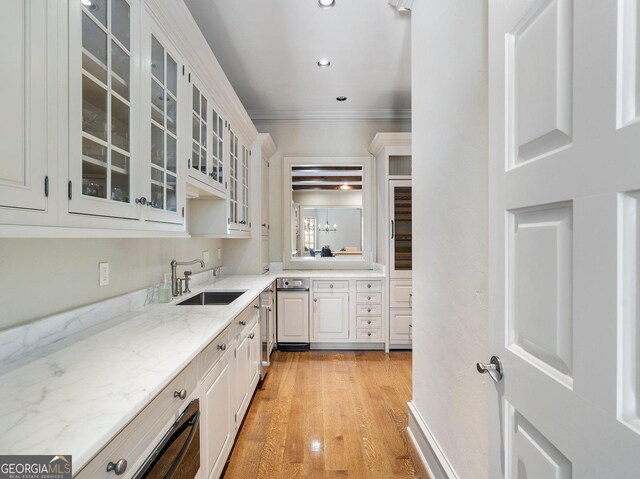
pixel 176 283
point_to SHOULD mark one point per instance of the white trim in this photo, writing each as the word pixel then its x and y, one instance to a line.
pixel 428 448
pixel 329 115
pixel 382 140
pixel 404 4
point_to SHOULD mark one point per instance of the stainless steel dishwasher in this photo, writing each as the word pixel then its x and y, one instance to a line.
pixel 292 314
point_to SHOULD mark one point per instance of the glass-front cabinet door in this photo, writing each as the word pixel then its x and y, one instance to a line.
pixel 164 192
pixel 205 163
pixel 102 72
pixel 234 167
pixel 401 229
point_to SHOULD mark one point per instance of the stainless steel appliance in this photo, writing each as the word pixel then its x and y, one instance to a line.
pixel 178 454
pixel 293 314
pixel 267 330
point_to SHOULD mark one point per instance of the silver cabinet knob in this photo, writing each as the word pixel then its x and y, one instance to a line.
pixel 331 286
pixel 369 334
pixel 369 322
pixel 369 286
pixel 256 306
pixel 368 298
pixel 252 335
pixel 141 201
pixel 222 347
pixel 119 467
pixel 368 310
pixel 315 300
pixel 494 368
pixel 182 394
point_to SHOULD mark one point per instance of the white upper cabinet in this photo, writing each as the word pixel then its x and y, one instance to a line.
pixel 239 184
pixel 206 160
pixel 102 104
pixel 24 165
pixel 165 89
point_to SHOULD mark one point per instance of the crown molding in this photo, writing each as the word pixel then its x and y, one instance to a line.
pixel 266 144
pixel 383 140
pixel 401 5
pixel 329 115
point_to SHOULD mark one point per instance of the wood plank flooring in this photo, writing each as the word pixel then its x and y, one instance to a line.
pixel 329 414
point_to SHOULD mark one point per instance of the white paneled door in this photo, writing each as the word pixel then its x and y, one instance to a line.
pixel 564 229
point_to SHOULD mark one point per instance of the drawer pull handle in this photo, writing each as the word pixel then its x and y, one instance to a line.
pixel 119 467
pixel 368 298
pixel 369 322
pixel 331 286
pixel 222 347
pixel 242 323
pixel 369 333
pixel 369 285
pixel 368 310
pixel 252 335
pixel 182 394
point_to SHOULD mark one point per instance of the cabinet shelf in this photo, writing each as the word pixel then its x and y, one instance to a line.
pixel 104 165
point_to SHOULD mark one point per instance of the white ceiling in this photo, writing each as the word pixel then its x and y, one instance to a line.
pixel 269 50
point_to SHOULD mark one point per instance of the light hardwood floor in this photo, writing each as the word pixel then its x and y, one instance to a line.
pixel 329 414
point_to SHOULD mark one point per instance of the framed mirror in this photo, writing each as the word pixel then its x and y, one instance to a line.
pixel 327 213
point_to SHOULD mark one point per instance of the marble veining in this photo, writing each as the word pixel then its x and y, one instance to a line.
pixel 75 380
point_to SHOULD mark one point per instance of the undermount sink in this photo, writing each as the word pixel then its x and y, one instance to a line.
pixel 212 297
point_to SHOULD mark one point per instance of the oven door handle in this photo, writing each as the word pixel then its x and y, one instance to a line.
pixel 194 423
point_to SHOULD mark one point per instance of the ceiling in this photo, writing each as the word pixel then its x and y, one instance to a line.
pixel 269 49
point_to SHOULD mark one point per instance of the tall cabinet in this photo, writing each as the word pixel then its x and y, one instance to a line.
pixel 394 230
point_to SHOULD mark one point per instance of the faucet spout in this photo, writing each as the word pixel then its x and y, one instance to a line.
pixel 175 289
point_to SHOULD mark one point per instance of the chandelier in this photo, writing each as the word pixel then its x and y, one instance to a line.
pixel 327 227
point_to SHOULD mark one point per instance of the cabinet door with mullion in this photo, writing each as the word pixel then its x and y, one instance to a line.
pixel 164 87
pixel 103 46
pixel 234 183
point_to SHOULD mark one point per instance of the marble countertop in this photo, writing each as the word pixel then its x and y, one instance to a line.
pixel 75 397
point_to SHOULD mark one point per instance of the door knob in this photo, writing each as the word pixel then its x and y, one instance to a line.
pixel 494 368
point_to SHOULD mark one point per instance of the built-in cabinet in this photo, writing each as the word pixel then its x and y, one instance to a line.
pixel 120 112
pixel 27 174
pixel 394 231
pixel 346 312
pixel 293 317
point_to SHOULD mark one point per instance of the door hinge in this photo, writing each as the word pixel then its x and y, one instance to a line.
pixel 46 186
pixel 182 70
pixel 189 77
pixel 189 163
pixel 225 185
pixel 70 189
pixel 183 211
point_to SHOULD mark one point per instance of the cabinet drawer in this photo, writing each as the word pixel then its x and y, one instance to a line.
pixel 244 321
pixel 369 298
pixel 369 322
pixel 331 286
pixel 369 285
pixel 368 309
pixel 369 333
pixel 133 442
pixel 214 350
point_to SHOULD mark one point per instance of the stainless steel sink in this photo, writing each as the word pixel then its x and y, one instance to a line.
pixel 212 297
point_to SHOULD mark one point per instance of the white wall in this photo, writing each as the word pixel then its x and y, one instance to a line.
pixel 318 138
pixel 348 223
pixel 41 277
pixel 449 117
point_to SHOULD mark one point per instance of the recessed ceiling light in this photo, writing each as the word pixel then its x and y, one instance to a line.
pixel 404 9
pixel 326 4
pixel 87 3
pixel 341 98
pixel 323 62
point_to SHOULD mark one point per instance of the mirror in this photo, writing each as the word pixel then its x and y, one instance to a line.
pixel 327 213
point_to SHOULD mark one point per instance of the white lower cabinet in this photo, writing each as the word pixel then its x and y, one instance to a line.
pixel 400 327
pixel 330 316
pixel 293 317
pixel 216 390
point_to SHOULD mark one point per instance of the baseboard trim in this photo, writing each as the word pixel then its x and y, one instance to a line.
pixel 430 452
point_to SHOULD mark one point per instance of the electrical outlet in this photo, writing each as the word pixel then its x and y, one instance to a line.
pixel 104 274
pixel 205 256
pixel 219 253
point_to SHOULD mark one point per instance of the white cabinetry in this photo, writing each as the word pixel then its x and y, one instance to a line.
pixel 26 43
pixel 293 317
pixel 218 426
pixel 394 230
pixel 247 359
pixel 330 316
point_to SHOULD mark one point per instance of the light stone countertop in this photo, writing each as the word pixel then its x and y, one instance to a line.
pixel 75 397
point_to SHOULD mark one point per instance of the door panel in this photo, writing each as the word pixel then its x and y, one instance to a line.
pixel 400 326
pixel 563 184
pixel 330 316
pixel 293 317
